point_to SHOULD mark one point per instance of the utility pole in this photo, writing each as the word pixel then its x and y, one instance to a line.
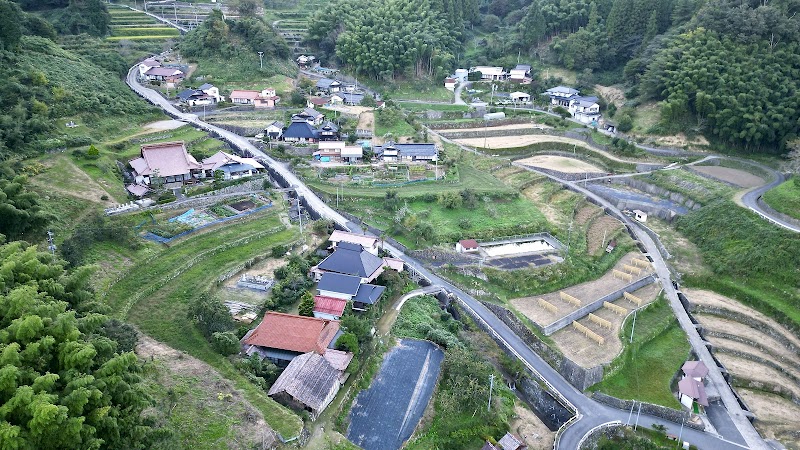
pixel 491 387
pixel 639 413
pixel 680 435
pixel 261 59
pixel 51 246
pixel 633 327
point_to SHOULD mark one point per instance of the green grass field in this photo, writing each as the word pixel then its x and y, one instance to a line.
pixel 785 198
pixel 418 90
pixel 416 107
pixel 645 368
pixel 690 185
pixel 154 295
pixel 397 129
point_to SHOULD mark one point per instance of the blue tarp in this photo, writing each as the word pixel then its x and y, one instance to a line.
pixel 183 216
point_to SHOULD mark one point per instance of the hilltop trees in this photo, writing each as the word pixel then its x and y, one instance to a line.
pixel 63 382
pixel 385 39
pixel 230 38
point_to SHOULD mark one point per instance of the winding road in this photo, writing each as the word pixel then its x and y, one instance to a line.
pixel 589 413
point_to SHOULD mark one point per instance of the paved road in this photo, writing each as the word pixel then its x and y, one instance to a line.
pixel 750 200
pixel 750 435
pixel 458 100
pixel 589 412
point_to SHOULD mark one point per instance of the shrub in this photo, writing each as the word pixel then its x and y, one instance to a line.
pixel 464 223
pixel 225 343
pixel 625 123
pixel 348 342
pixel 210 315
pixel 92 152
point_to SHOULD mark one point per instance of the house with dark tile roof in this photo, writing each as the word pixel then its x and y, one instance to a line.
pixel 300 131
pixel 351 259
pixel 410 152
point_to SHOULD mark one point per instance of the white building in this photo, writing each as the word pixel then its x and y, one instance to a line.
pixel 461 75
pixel 490 73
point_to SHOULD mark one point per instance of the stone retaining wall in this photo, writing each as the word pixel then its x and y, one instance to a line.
pixel 747 320
pixel 568 175
pixel 772 388
pixel 673 415
pixel 754 344
pixel 757 359
pixel 658 192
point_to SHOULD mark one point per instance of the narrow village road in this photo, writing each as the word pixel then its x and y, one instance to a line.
pixel 589 412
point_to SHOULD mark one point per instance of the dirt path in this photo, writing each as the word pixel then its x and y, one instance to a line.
pixel 209 393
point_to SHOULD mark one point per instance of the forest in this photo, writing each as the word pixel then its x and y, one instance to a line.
pixel 218 36
pixel 723 68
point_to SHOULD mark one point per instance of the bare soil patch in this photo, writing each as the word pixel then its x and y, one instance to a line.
pixel 513 126
pixel 681 140
pixel 163 125
pixel 703 297
pixel 586 213
pixel 560 163
pixel 742 347
pixel 586 292
pixel 739 329
pixel 531 429
pixel 210 392
pixel 687 258
pixel 754 371
pixel 586 352
pixel 612 94
pixel 600 231
pixel 522 141
pixel 366 121
pixel 535 193
pixel 776 417
pixel 734 176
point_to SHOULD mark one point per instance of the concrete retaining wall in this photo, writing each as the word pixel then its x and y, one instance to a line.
pixel 663 412
pixel 658 192
pixel 747 320
pixel 595 305
pixel 773 212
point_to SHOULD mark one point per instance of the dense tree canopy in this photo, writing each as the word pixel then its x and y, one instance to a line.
pixel 383 39
pixel 63 384
pixel 230 38
pixel 20 212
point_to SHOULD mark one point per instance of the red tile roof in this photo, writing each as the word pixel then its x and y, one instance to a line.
pixel 250 95
pixel 468 243
pixel 293 333
pixel 329 305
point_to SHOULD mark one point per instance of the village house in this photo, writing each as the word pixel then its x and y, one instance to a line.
pixel 349 288
pixel 146 65
pixel 164 74
pixel 310 382
pixel 329 307
pixel 467 246
pixel 347 98
pixel 212 91
pixel 194 97
pixel 305 61
pixel 520 74
pixel 310 115
pixel 317 102
pixel 394 152
pixel 328 132
pixel 583 109
pixel 490 73
pixel 232 166
pixel 351 259
pixel 167 162
pixel 450 83
pixel 520 98
pixel 265 99
pixel 274 130
pixel 282 337
pixel 690 387
pixel 338 151
pixel 300 131
pixel 327 86
pixel 368 243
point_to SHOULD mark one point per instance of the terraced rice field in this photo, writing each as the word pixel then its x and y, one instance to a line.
pixel 132 25
pixel 762 359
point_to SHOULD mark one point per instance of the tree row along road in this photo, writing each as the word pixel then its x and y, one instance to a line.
pixel 590 412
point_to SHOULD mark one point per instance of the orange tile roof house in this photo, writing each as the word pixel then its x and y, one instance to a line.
pixel 282 337
pixel 169 161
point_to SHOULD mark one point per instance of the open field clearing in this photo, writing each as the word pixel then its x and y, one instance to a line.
pixel 715 324
pixel 66 178
pixel 734 176
pixel 745 368
pixel 513 126
pixel 785 198
pixel 519 141
pixel 531 429
pixel 193 392
pixel 586 352
pixel 601 231
pixel 776 417
pixel 585 292
pixel 163 125
pixel 560 163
